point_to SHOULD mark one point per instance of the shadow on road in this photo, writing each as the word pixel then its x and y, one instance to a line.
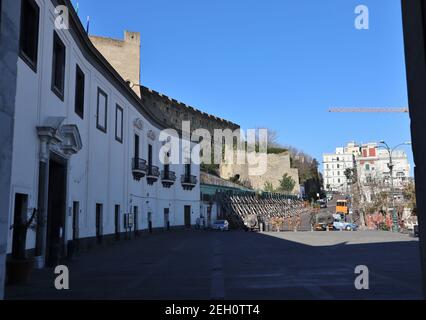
pixel 239 265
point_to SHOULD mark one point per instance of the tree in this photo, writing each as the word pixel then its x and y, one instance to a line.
pixel 409 192
pixel 287 184
pixel 273 138
pixel 268 187
pixel 349 174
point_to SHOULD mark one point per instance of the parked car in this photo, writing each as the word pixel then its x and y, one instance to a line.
pixel 322 203
pixel 323 222
pixel 221 225
pixel 340 224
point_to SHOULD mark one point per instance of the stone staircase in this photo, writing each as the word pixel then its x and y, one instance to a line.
pixel 249 210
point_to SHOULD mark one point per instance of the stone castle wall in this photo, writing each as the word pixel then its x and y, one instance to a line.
pixel 278 166
pixel 123 55
pixel 174 112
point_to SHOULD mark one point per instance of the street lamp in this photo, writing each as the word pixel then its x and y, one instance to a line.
pixel 391 166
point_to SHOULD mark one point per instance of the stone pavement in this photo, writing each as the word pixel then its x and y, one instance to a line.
pixel 239 265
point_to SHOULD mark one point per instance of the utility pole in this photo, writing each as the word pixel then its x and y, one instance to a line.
pixel 394 213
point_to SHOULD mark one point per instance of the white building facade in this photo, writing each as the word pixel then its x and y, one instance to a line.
pixel 335 166
pixel 371 163
pixel 9 35
pixel 87 155
pixel 401 167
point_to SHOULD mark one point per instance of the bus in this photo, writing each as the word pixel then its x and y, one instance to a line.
pixel 342 207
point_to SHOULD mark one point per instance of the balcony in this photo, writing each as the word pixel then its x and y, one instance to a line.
pixel 152 174
pixel 139 168
pixel 188 182
pixel 168 178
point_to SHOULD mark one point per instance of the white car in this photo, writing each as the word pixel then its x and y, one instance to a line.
pixel 221 225
pixel 339 224
pixel 410 223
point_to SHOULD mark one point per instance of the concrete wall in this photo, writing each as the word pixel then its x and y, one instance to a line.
pixel 124 55
pixel 208 179
pixel 9 35
pixel 101 172
pixel 278 166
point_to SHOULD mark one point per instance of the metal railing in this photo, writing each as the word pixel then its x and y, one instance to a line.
pixel 139 164
pixel 168 175
pixel 189 179
pixel 153 171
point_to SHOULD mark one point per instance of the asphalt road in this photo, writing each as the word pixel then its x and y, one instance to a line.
pixel 239 265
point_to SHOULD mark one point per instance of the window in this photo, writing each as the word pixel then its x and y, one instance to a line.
pixel 28 41
pixel 150 152
pixel 102 110
pixel 187 170
pixel 166 170
pixel 99 222
pixel 119 123
pixel 117 221
pixel 58 66
pixel 79 92
pixel 136 152
pixel 75 220
pixel 20 216
pixel 136 219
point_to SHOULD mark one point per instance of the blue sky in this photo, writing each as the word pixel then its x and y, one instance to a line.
pixel 275 63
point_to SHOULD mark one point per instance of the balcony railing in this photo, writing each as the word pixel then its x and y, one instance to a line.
pixel 188 181
pixel 152 174
pixel 168 178
pixel 139 168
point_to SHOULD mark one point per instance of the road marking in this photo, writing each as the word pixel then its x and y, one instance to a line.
pixel 217 291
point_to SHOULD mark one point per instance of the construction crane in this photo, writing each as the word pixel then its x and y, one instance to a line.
pixel 368 110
